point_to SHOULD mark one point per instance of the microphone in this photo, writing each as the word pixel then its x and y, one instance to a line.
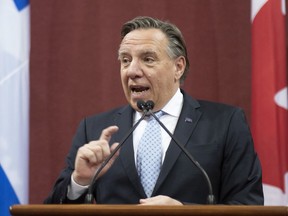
pixel 211 198
pixel 89 196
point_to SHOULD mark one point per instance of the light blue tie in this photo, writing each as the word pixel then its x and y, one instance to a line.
pixel 149 154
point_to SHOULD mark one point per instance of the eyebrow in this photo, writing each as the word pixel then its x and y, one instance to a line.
pixel 145 52
pixel 122 52
pixel 149 52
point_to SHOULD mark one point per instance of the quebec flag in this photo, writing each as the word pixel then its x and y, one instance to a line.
pixel 14 103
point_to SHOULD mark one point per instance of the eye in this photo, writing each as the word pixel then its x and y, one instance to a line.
pixel 125 61
pixel 149 59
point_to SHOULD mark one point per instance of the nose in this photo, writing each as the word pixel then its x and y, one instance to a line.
pixel 134 70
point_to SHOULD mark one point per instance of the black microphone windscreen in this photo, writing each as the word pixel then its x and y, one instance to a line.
pixel 141 105
pixel 149 105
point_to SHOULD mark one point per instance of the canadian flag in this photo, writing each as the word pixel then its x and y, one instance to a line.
pixel 269 97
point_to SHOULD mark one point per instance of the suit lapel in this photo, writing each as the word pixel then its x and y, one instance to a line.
pixel 185 126
pixel 124 120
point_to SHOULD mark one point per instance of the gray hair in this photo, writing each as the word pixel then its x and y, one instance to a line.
pixel 176 47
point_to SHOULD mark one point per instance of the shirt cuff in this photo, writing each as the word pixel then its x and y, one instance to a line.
pixel 75 190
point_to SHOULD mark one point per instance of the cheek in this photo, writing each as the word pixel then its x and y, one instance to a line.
pixel 159 84
pixel 123 76
pixel 158 80
pixel 124 83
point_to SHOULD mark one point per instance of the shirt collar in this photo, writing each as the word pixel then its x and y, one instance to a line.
pixel 172 108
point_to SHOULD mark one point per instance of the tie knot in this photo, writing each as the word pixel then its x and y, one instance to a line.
pixel 157 114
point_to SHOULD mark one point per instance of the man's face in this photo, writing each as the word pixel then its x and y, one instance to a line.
pixel 147 71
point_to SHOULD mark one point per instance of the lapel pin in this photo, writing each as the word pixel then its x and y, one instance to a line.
pixel 189 120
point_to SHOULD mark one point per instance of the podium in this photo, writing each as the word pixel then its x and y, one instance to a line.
pixel 133 210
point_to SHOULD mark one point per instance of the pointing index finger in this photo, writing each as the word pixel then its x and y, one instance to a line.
pixel 108 132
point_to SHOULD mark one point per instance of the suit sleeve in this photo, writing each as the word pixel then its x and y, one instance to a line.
pixel 241 171
pixel 59 192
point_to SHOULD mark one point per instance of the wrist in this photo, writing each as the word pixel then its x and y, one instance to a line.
pixel 77 179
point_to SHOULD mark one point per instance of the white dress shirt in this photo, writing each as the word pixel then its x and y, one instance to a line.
pixel 172 112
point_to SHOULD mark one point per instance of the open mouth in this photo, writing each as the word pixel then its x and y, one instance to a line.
pixel 139 89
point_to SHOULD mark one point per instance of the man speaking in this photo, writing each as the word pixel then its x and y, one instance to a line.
pixel 150 168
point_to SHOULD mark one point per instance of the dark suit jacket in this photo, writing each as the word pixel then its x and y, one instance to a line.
pixel 217 136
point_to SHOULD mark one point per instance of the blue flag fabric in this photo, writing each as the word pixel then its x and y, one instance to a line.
pixel 14 103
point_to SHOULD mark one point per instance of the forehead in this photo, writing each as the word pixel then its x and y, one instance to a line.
pixel 139 39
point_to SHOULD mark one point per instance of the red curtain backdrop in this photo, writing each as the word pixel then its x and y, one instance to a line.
pixel 75 71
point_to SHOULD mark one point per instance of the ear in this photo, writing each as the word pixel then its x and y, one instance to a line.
pixel 180 64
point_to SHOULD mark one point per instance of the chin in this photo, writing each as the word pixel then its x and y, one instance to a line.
pixel 133 104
